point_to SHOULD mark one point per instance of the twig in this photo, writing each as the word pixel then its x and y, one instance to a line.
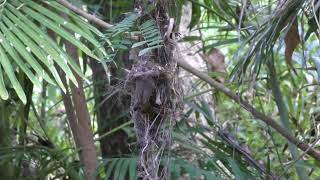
pixel 84 14
pixel 220 87
pixel 113 131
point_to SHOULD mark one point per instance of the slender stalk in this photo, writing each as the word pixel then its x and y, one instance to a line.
pixel 77 115
pixel 43 100
pixel 113 131
pixel 85 135
pixel 89 17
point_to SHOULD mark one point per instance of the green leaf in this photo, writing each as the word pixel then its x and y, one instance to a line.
pixel 76 18
pixel 69 25
pixel 15 56
pixel 147 24
pixel 175 171
pixel 60 31
pixel 151 32
pixel 144 51
pixel 133 169
pixel 138 44
pixel 190 38
pixel 32 47
pixel 12 77
pixel 156 41
pixel 110 169
pixel 117 169
pixel 196 15
pixel 124 168
pixel 47 44
pixel 3 91
pixel 21 49
pixel 51 54
pixel 235 168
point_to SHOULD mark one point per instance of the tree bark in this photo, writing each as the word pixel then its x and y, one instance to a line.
pixel 88 154
pixel 111 102
pixel 78 115
pixel 111 109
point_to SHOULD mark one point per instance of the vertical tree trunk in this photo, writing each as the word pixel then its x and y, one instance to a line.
pixel 78 116
pixel 88 155
pixel 112 111
pixel 5 141
pixel 111 104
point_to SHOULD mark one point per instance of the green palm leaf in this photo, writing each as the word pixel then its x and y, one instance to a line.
pixel 25 45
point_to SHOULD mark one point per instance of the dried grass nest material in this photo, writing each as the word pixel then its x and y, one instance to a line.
pixel 145 68
pixel 153 102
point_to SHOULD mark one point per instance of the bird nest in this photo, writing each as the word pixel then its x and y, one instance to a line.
pixel 153 106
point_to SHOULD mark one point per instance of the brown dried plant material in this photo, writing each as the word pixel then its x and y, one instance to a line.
pixel 292 40
pixel 153 85
pixel 215 59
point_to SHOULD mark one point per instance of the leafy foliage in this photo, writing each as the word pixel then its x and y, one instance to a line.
pixel 148 30
pixel 115 37
pixel 151 35
pixel 21 36
pixel 251 33
pixel 259 32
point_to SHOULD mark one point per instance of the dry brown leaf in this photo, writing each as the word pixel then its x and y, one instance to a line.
pixel 215 59
pixel 292 40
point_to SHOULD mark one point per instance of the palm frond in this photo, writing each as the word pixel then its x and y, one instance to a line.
pixel 264 38
pixel 118 168
pixel 39 161
pixel 25 44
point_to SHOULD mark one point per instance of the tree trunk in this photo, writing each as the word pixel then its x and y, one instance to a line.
pixel 111 103
pixel 84 135
pixel 112 110
pixel 78 116
pixel 5 141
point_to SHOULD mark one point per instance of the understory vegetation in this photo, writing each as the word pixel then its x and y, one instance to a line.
pixel 159 89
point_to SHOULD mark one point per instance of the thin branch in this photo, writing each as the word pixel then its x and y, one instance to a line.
pixel 220 87
pixel 113 131
pixel 84 14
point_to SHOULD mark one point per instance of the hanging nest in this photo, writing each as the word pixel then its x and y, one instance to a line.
pixel 153 86
pixel 153 106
